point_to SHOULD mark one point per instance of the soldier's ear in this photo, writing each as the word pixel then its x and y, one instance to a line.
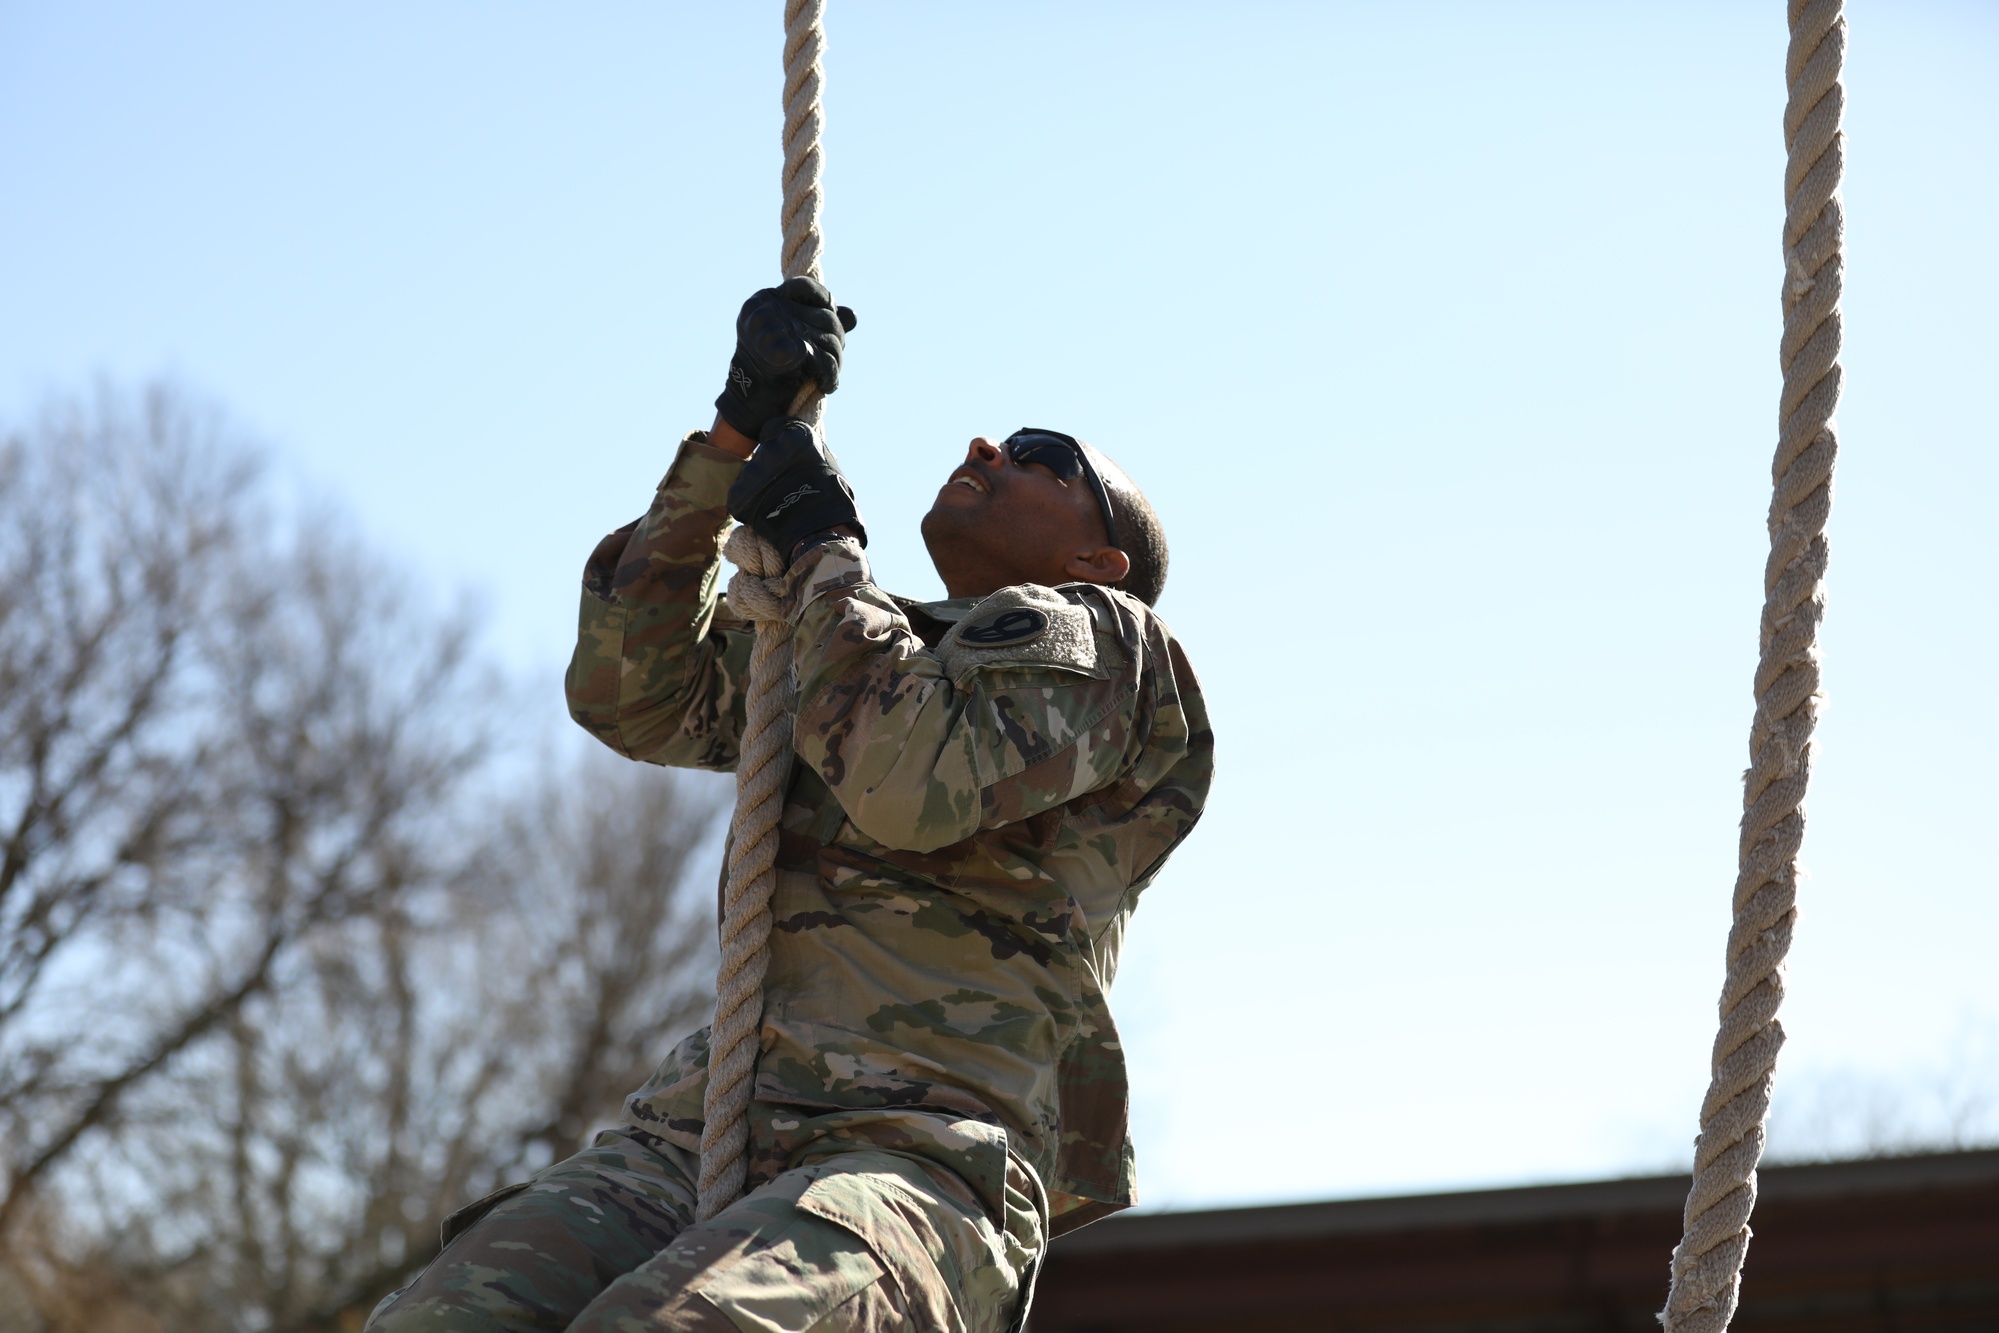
pixel 1102 564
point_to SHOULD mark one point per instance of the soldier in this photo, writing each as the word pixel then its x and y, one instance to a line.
pixel 984 785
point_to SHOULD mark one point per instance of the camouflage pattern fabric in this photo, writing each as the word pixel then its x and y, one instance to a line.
pixel 604 1243
pixel 984 790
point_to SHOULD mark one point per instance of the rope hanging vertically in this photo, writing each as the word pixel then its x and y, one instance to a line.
pixel 763 761
pixel 1707 1263
pixel 804 43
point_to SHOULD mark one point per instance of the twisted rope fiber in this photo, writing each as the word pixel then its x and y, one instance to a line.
pixel 804 44
pixel 763 761
pixel 1707 1263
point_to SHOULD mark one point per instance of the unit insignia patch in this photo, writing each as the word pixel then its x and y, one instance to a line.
pixel 1003 629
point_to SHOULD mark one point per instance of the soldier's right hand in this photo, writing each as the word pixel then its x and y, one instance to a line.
pixel 785 335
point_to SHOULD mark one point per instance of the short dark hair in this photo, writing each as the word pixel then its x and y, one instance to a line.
pixel 1141 536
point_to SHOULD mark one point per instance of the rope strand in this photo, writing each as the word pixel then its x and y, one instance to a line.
pixel 1707 1263
pixel 763 762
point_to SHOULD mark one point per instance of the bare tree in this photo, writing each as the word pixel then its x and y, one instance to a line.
pixel 289 966
pixel 122 532
pixel 428 1054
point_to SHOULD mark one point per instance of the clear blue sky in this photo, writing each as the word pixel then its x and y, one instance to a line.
pixel 1443 335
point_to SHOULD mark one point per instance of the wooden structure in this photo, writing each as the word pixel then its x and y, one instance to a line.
pixel 1900 1243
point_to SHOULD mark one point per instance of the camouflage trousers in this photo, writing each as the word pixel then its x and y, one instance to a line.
pixel 605 1242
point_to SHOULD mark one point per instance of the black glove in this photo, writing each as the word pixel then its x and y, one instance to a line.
pixel 792 488
pixel 785 335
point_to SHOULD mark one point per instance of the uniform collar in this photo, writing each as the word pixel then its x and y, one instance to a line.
pixel 950 611
pixel 933 620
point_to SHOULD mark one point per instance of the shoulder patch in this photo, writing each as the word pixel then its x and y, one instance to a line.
pixel 1003 629
pixel 1023 626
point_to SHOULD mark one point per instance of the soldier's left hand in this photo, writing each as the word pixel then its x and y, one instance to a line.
pixel 785 335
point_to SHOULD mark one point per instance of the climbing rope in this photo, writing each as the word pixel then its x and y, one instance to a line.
pixel 763 762
pixel 1707 1263
pixel 763 759
pixel 804 43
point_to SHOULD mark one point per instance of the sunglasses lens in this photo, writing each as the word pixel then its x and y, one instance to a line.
pixel 1055 455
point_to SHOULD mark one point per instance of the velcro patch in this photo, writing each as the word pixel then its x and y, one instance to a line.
pixel 1023 626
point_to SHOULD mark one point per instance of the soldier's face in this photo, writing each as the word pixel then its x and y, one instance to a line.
pixel 997 522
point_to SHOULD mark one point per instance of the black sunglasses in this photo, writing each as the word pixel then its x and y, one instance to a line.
pixel 1065 456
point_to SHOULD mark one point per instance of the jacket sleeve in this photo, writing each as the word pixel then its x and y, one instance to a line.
pixel 659 665
pixel 917 760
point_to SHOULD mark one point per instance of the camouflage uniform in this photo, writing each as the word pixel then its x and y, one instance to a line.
pixel 984 788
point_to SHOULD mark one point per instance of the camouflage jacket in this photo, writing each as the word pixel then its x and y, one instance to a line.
pixel 982 791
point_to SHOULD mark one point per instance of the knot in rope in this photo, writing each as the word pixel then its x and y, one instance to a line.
pixel 755 591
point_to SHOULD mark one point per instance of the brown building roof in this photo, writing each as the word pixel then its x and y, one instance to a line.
pixel 1890 1243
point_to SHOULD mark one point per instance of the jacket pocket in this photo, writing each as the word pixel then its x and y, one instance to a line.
pixel 458 1223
